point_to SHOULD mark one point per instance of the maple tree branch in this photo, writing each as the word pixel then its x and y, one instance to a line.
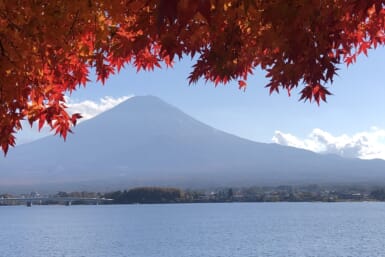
pixel 11 24
pixel 73 24
pixel 2 49
pixel 4 52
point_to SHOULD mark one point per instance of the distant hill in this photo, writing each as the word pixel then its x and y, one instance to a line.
pixel 145 141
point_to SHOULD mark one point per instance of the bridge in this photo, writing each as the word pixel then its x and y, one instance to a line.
pixel 66 200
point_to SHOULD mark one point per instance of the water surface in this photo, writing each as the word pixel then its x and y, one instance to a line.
pixel 196 230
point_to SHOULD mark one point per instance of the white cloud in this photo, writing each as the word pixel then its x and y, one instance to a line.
pixel 89 109
pixel 365 145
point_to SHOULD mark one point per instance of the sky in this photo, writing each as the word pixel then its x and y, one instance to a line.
pixel 350 124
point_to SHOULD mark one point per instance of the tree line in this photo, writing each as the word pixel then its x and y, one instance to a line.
pixel 150 195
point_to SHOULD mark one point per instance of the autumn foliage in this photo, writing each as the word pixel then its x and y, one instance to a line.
pixel 48 47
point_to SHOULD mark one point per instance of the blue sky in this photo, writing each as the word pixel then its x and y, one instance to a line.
pixel 351 124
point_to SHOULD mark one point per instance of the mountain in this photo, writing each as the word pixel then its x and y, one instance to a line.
pixel 145 141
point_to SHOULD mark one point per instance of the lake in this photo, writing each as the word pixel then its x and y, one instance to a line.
pixel 196 230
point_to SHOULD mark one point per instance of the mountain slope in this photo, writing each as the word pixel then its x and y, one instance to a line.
pixel 145 141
